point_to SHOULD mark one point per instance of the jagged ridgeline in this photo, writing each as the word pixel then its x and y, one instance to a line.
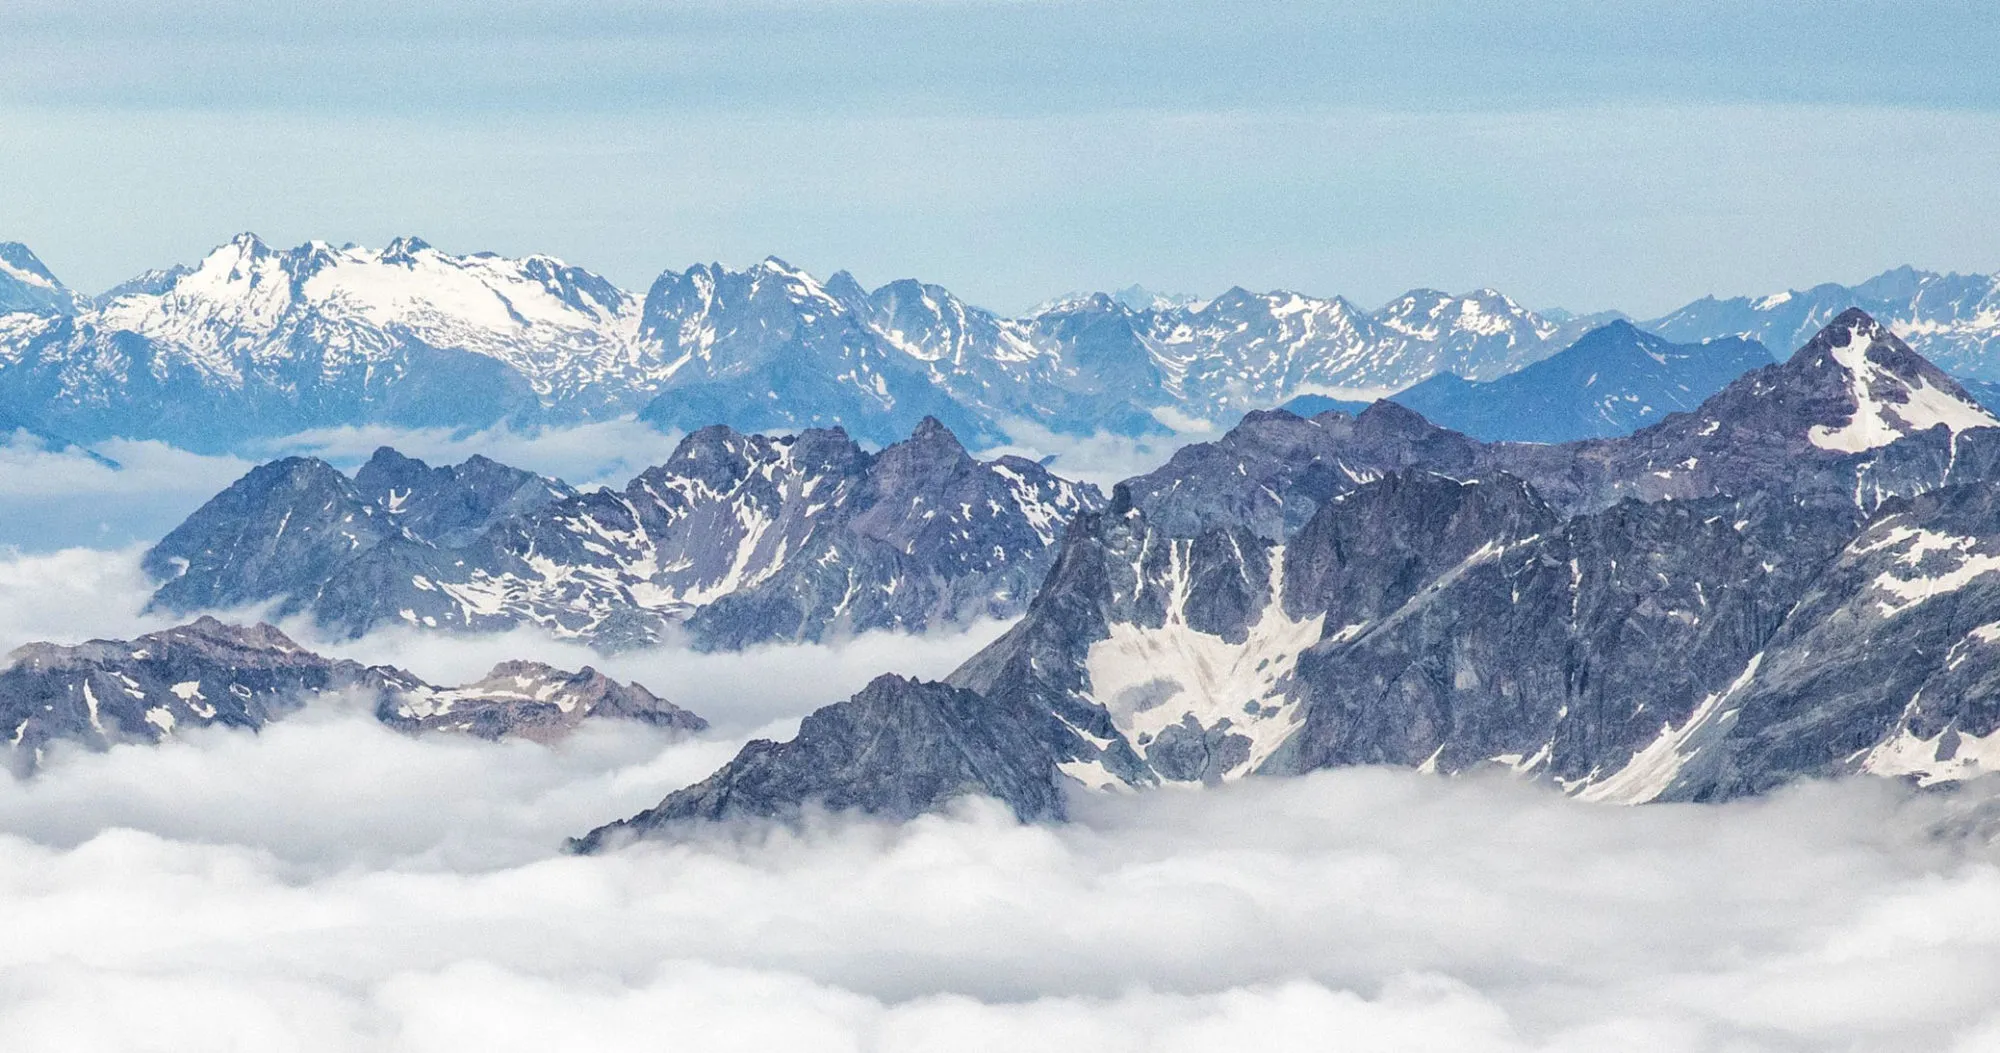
pixel 737 539
pixel 105 692
pixel 1799 578
pixel 254 341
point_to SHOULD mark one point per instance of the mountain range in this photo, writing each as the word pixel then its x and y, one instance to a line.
pixel 1952 319
pixel 253 341
pixel 1799 578
pixel 1612 381
pixel 736 539
pixel 149 689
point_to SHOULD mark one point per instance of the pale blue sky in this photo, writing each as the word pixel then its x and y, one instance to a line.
pixel 1631 154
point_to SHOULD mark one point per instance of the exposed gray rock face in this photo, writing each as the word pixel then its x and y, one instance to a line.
pixel 1418 620
pixel 1888 664
pixel 897 749
pixel 110 691
pixel 290 523
pixel 1740 627
pixel 106 692
pixel 1560 652
pixel 449 505
pixel 738 538
pixel 530 700
pixel 1272 471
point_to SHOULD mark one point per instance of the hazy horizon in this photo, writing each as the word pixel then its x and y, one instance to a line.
pixel 1566 154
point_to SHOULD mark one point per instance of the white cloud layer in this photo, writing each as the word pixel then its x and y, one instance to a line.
pixel 73 595
pixel 329 885
pixel 1100 458
pixel 54 499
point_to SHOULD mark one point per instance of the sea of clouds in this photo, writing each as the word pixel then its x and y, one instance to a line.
pixel 328 884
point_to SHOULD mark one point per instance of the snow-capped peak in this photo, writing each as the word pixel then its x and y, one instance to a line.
pixel 1895 392
pixel 247 299
pixel 21 265
pixel 26 285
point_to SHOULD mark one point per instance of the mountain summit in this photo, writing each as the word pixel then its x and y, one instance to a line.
pixel 27 287
pixel 1885 391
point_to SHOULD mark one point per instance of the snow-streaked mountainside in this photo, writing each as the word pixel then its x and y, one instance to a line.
pixel 740 539
pixel 27 287
pixel 256 341
pixel 1799 578
pixel 1612 381
pixel 104 692
pixel 1952 319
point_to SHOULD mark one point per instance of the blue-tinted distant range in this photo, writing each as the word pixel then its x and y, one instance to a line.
pixel 255 342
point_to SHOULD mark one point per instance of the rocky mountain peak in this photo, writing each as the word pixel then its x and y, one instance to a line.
pixel 931 445
pixel 451 504
pixel 843 286
pixel 246 243
pixel 305 474
pixel 210 631
pixel 404 249
pixel 1385 419
pixel 1885 390
pixel 387 466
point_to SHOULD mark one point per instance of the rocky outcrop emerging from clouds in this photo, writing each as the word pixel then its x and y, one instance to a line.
pixel 529 700
pixel 737 539
pixel 1791 581
pixel 149 689
pixel 897 749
